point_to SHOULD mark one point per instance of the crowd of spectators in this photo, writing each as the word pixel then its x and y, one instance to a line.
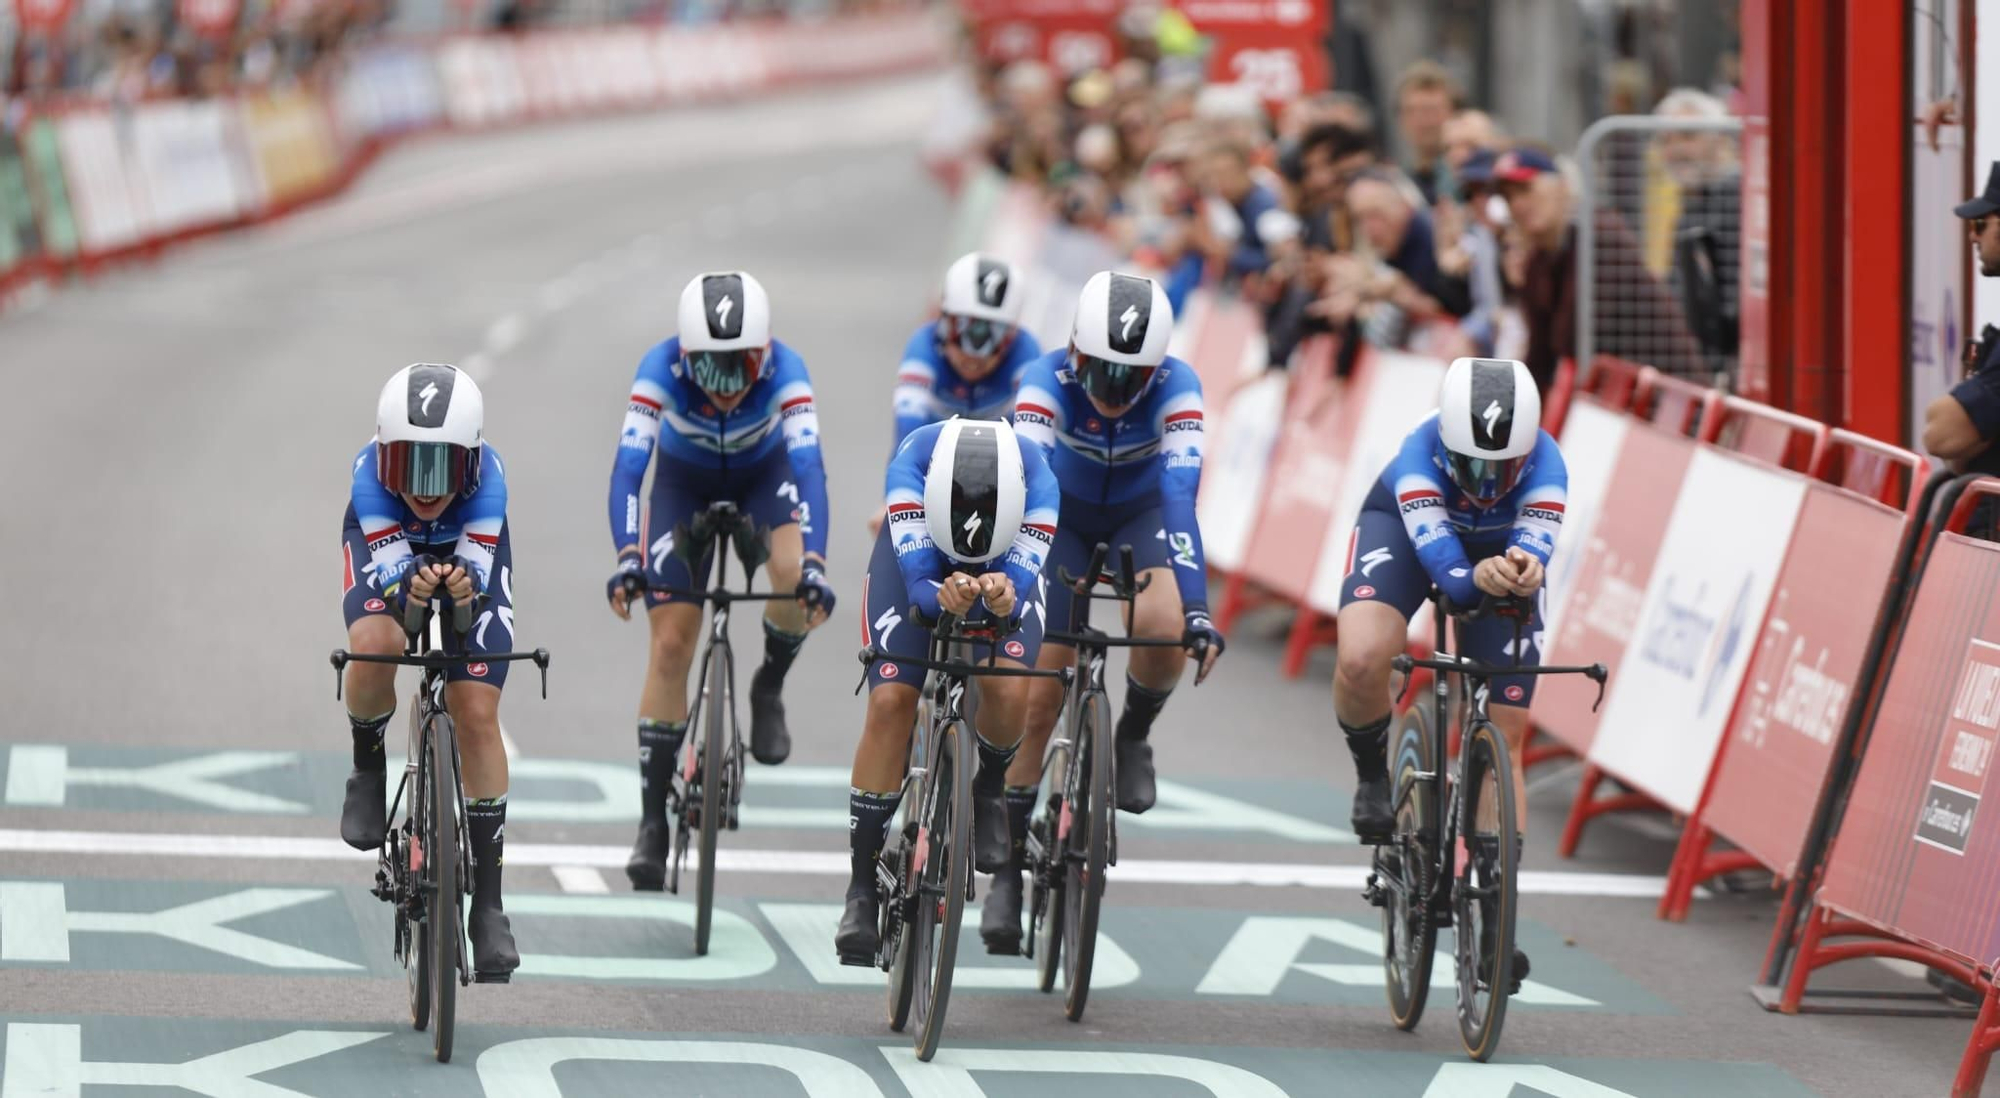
pixel 1463 242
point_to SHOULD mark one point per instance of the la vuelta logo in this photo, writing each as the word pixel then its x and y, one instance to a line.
pixel 1965 752
pixel 1804 697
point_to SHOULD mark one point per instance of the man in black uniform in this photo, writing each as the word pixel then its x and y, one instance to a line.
pixel 1962 426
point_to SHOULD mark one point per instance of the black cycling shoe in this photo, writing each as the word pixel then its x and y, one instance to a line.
pixel 992 848
pixel 1136 788
pixel 770 740
pixel 859 938
pixel 1371 819
pixel 647 867
pixel 494 957
pixel 364 817
pixel 1000 919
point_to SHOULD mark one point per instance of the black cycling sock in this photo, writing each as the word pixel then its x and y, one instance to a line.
pixel 1369 745
pixel 1142 704
pixel 993 764
pixel 659 754
pixel 1020 810
pixel 486 821
pixel 368 740
pixel 780 648
pixel 868 818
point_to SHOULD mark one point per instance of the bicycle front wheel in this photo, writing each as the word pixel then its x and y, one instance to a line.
pixel 441 858
pixel 1088 851
pixel 1405 869
pixel 947 875
pixel 1485 894
pixel 413 940
pixel 716 708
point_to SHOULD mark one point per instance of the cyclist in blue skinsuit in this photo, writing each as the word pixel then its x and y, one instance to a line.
pixel 972 512
pixel 429 487
pixel 738 407
pixel 1121 423
pixel 1471 503
pixel 968 361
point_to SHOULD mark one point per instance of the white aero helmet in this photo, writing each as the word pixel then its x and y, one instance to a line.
pixel 981 309
pixel 1489 417
pixel 429 422
pixel 975 492
pixel 725 331
pixel 1123 324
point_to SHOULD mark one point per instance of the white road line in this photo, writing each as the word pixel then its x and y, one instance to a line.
pixel 778 862
pixel 579 878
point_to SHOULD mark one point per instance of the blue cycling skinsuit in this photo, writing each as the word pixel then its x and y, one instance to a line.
pixel 928 390
pixel 381 538
pixel 1417 529
pixel 907 567
pixel 707 455
pixel 1125 481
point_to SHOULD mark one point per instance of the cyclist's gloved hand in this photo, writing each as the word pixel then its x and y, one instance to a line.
pixel 626 584
pixel 461 578
pixel 814 592
pixel 1205 639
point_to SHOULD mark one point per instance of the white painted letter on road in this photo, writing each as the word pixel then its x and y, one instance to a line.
pixel 950 1074
pixel 46 1061
pixel 526 1068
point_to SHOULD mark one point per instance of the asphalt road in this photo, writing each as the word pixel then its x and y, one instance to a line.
pixel 176 911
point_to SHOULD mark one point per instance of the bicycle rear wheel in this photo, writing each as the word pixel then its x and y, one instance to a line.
pixel 441 856
pixel 1404 869
pixel 716 705
pixel 1485 898
pixel 947 874
pixel 1050 869
pixel 1087 852
pixel 413 940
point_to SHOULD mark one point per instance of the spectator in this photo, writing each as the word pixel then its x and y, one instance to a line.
pixel 1391 282
pixel 1469 250
pixel 1330 156
pixel 1962 425
pixel 1703 276
pixel 1635 317
pixel 1224 227
pixel 1425 100
pixel 1470 132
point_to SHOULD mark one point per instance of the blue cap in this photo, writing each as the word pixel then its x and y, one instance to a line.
pixel 1478 168
pixel 1522 165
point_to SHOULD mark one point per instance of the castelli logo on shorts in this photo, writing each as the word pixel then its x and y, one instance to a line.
pixel 1364 592
pixel 476 670
pixel 1515 693
pixel 889 671
pixel 1016 649
pixel 374 606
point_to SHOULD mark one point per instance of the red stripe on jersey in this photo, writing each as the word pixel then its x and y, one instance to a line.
pixel 647 401
pixel 904 508
pixel 1036 409
pixel 1421 493
pixel 1353 538
pixel 1543 505
pixel 795 402
pixel 491 541
pixel 1042 526
pixel 865 642
pixel 1178 416
pixel 377 535
pixel 913 379
pixel 346 569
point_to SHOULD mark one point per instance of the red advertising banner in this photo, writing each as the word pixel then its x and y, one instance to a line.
pixel 1602 612
pixel 209 18
pixel 1801 679
pixel 43 16
pixel 1914 853
pixel 1311 456
pixel 1073 36
pixel 1275 46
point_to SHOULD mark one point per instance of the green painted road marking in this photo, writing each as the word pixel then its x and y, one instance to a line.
pixel 251 1059
pixel 1267 948
pixel 180 927
pixel 584 791
pixel 736 948
pixel 807 930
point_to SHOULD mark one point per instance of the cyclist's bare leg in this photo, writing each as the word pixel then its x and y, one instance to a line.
pixel 1156 615
pixel 1003 709
pixel 1512 720
pixel 1371 634
pixel 371 687
pixel 475 714
pixel 882 757
pixel 881 760
pixel 676 627
pixel 1042 704
pixel 786 615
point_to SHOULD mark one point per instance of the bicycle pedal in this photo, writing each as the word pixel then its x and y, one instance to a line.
pixel 493 978
pixel 858 960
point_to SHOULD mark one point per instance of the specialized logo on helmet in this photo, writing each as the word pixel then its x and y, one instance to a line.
pixel 1492 403
pixel 992 281
pixel 430 394
pixel 723 297
pixel 1130 305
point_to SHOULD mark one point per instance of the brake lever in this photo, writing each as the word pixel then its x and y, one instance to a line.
pixel 542 662
pixel 1598 675
pixel 869 654
pixel 1401 665
pixel 339 661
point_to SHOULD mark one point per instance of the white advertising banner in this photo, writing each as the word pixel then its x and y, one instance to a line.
pixel 1401 390
pixel 1591 440
pixel 1704 607
pixel 108 211
pixel 1232 484
pixel 192 175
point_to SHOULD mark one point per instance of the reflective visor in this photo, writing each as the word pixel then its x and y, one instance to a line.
pixel 975 336
pixel 426 468
pixel 724 373
pixel 1114 384
pixel 1484 480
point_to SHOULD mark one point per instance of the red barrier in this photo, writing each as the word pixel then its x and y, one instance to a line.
pixel 1914 871
pixel 1773 767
